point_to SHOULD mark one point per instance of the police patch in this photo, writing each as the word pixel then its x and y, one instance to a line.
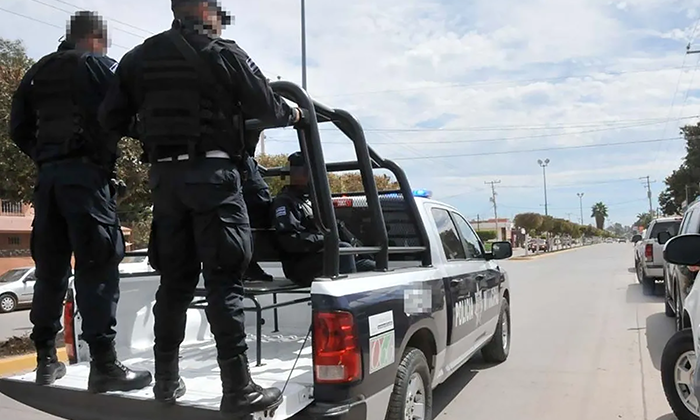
pixel 113 69
pixel 281 211
pixel 253 67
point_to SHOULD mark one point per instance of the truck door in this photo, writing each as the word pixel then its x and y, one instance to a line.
pixel 462 274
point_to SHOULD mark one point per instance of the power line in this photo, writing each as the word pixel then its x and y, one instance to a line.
pixel 71 12
pixel 109 18
pixel 46 23
pixel 502 82
pixel 507 152
pixel 495 206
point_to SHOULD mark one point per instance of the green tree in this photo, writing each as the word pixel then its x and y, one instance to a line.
pixel 486 235
pixel 528 221
pixel 684 182
pixel 644 219
pixel 599 211
pixel 17 171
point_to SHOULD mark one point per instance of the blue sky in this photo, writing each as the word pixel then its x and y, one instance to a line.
pixel 460 93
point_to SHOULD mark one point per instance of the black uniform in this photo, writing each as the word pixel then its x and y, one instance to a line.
pixel 187 90
pixel 54 121
pixel 300 240
pixel 258 200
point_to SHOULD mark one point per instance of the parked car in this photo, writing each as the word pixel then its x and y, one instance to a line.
pixel 678 279
pixel 648 252
pixel 679 374
pixel 16 288
pixel 536 245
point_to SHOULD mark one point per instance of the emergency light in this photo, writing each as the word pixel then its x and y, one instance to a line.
pixel 422 193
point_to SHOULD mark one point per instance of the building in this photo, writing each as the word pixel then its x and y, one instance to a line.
pixel 16 228
pixel 504 227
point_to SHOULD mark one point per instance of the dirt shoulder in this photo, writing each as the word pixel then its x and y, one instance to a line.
pixel 17 346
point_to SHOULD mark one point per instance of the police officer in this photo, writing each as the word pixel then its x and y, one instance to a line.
pixel 54 122
pixel 186 86
pixel 258 200
pixel 299 238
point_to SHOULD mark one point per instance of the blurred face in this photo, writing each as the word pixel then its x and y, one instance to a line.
pixel 210 16
pixel 298 176
pixel 95 44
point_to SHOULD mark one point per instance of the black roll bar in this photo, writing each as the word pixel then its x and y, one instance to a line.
pixel 321 197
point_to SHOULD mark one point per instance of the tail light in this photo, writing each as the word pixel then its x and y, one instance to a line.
pixel 649 252
pixel 337 356
pixel 68 327
pixel 342 202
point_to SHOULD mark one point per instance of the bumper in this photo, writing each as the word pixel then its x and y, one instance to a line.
pixel 348 410
pixel 656 272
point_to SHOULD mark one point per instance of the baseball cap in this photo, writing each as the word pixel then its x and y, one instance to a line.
pixel 296 160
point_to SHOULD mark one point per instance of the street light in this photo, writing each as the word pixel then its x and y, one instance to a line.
pixel 580 203
pixel 544 177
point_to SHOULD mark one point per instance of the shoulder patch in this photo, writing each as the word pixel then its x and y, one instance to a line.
pixel 252 66
pixel 281 211
pixel 113 69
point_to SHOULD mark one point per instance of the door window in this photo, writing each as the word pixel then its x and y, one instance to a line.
pixel 470 240
pixel 451 243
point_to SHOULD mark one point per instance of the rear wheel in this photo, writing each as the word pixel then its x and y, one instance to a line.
pixel 412 397
pixel 678 364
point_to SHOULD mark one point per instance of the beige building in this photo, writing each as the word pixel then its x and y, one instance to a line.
pixel 503 227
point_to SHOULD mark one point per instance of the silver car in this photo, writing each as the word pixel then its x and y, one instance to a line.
pixel 16 288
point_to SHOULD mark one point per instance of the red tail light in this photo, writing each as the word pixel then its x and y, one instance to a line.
pixel 68 330
pixel 342 202
pixel 337 356
pixel 649 252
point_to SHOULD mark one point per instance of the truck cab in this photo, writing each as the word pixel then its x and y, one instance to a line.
pixel 368 345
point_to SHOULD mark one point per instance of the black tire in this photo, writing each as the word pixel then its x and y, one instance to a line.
pixel 679 344
pixel 648 286
pixel 637 273
pixel 8 303
pixel 412 363
pixel 498 349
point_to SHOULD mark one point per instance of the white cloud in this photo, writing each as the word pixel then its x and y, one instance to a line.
pixel 397 63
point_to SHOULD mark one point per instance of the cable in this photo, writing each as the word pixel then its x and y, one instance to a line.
pixel 70 13
pixel 515 81
pixel 48 24
pixel 106 17
pixel 545 149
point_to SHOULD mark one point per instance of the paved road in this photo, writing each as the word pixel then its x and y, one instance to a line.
pixel 586 346
pixel 14 324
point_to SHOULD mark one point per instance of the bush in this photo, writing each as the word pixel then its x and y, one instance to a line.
pixel 486 235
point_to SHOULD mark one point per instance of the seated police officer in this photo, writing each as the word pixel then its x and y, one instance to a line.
pixel 258 200
pixel 54 121
pixel 186 86
pixel 299 238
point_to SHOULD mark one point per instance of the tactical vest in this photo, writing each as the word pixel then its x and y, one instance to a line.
pixel 179 107
pixel 55 93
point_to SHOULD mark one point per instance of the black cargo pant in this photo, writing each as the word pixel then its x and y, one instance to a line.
pixel 256 194
pixel 75 212
pixel 199 216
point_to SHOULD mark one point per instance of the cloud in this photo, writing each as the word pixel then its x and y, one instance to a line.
pixel 446 78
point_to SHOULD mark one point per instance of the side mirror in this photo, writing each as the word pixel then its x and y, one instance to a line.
pixel 501 250
pixel 663 237
pixel 683 249
pixel 636 238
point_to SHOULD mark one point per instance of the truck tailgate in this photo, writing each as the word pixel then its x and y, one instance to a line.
pixel 68 397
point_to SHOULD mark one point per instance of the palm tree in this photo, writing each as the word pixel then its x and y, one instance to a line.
pixel 600 212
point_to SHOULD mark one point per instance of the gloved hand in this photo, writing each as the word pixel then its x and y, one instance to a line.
pixel 303 118
pixel 117 186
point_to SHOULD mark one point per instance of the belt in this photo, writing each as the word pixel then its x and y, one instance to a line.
pixel 213 154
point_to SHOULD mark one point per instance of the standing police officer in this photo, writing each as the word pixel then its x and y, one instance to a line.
pixel 186 86
pixel 54 121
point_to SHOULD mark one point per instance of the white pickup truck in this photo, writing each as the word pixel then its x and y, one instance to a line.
pixel 648 252
pixel 362 346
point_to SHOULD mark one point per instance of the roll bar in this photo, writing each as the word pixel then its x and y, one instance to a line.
pixel 321 197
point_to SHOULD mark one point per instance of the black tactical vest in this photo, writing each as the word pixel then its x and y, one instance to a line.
pixel 55 93
pixel 179 108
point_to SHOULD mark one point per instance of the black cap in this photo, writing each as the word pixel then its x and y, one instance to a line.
pixel 226 18
pixel 296 160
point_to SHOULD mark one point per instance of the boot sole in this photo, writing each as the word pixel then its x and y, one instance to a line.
pixel 247 414
pixel 101 388
pixel 45 380
pixel 169 400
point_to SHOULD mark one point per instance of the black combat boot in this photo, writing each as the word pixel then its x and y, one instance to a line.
pixel 169 385
pixel 108 374
pixel 48 368
pixel 242 396
pixel 256 273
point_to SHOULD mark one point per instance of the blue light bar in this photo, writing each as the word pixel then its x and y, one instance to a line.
pixel 422 193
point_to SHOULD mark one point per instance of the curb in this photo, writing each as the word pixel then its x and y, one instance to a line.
pixel 534 257
pixel 24 363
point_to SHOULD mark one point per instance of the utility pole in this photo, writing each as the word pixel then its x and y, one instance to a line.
pixel 580 203
pixel 495 206
pixel 568 215
pixel 478 228
pixel 648 185
pixel 303 44
pixel 262 142
pixel 544 177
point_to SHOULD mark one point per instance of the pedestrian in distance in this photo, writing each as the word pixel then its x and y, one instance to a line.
pixel 54 121
pixel 191 91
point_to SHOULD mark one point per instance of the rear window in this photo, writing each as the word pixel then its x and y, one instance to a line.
pixel 400 226
pixel 670 227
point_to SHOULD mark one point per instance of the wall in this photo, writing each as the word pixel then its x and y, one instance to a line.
pixel 14 242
